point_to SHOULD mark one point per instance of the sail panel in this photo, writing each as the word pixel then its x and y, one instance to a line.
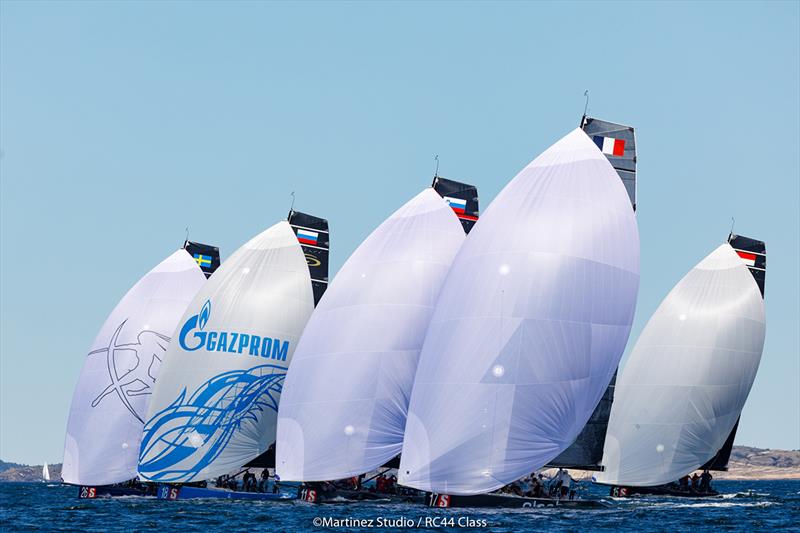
pixel 110 402
pixel 344 409
pixel 688 376
pixel 529 326
pixel 215 405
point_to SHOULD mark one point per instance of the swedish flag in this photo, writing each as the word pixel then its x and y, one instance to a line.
pixel 203 260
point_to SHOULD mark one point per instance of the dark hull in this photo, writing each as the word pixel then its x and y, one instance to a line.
pixel 664 490
pixel 86 492
pixel 510 501
pixel 314 495
pixel 175 492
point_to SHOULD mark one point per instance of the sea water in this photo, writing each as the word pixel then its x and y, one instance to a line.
pixel 742 506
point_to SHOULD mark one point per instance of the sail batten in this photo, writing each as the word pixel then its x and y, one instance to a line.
pixel 680 395
pixel 343 412
pixel 529 326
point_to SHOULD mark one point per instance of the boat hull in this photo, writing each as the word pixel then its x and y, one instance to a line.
pixel 177 492
pixel 509 501
pixel 316 495
pixel 89 492
pixel 663 490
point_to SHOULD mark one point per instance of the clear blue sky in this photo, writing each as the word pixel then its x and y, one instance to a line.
pixel 122 123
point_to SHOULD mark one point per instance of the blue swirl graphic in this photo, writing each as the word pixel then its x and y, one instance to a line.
pixel 183 439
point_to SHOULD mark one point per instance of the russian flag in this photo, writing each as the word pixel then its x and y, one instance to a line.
pixel 609 145
pixel 457 204
pixel 306 236
pixel 748 258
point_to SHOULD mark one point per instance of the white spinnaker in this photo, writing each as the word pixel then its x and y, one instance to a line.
pixel 688 376
pixel 344 408
pixel 109 405
pixel 215 405
pixel 528 328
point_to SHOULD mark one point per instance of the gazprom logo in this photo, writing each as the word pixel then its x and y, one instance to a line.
pixel 194 337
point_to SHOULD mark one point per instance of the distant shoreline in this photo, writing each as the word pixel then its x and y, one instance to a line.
pixel 746 463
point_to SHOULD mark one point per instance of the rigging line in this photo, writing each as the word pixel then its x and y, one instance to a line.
pixel 586 105
pixel 187 237
pixel 291 207
pixel 436 172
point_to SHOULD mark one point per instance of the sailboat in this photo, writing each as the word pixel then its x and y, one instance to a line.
pixel 214 407
pixel 45 473
pixel 618 144
pixel 111 397
pixel 343 411
pixel 680 396
pixel 528 329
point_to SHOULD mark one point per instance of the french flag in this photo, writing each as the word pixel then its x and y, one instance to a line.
pixel 306 236
pixel 609 145
pixel 748 258
pixel 457 204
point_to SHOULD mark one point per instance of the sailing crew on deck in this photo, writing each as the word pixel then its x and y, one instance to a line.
pixel 705 481
pixel 683 483
pixel 695 482
pixel 262 484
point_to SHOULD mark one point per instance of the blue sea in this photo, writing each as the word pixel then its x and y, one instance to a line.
pixel 743 505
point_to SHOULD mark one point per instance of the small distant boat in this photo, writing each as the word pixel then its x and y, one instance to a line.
pixel 680 396
pixel 45 473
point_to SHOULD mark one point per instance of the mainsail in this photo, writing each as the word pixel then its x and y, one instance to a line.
pixel 683 389
pixel 344 409
pixel 111 398
pixel 618 144
pixel 528 328
pixel 215 404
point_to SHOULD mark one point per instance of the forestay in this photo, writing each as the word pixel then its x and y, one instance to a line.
pixel 215 405
pixel 109 405
pixel 686 381
pixel 529 326
pixel 344 407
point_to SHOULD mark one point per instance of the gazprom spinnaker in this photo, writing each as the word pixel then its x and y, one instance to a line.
pixel 343 411
pixel 215 405
pixel 111 398
pixel 681 393
pixel 529 326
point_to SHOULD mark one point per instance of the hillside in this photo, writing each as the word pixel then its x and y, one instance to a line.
pixel 17 472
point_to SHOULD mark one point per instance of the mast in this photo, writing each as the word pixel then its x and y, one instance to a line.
pixel 618 144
